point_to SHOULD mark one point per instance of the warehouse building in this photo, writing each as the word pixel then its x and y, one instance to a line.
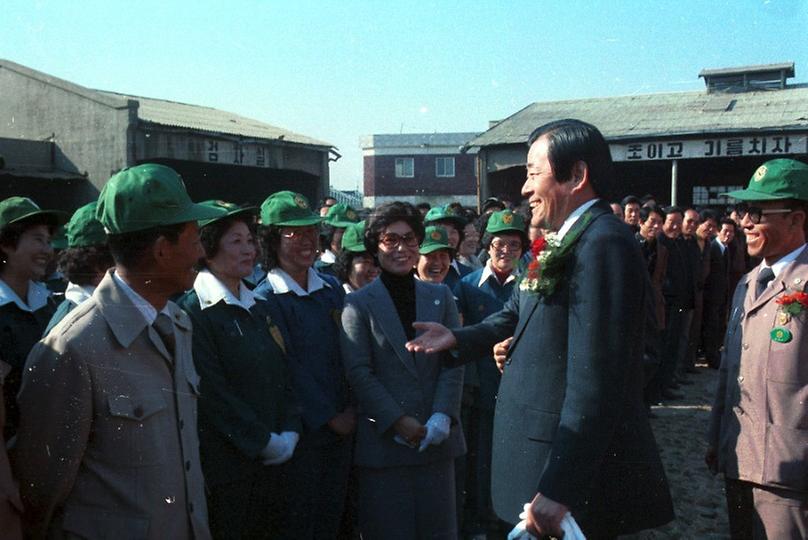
pixel 683 147
pixel 92 134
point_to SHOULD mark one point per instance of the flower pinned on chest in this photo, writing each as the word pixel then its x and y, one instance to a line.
pixel 791 305
pixel 537 279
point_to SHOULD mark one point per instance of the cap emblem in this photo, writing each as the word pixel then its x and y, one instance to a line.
pixel 760 173
pixel 301 202
pixel 436 235
pixel 507 219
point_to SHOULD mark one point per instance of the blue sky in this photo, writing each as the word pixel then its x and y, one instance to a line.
pixel 339 70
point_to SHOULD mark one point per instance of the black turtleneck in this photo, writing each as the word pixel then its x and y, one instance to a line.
pixel 402 291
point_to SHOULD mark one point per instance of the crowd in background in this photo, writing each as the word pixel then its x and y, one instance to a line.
pixel 310 421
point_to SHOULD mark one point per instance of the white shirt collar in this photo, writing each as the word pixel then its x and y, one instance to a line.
pixel 142 305
pixel 328 257
pixel 784 261
pixel 211 291
pixel 721 245
pixel 282 282
pixel 347 288
pixel 572 218
pixel 78 293
pixel 488 272
pixel 38 296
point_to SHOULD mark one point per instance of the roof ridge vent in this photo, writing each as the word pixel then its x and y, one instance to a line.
pixel 748 78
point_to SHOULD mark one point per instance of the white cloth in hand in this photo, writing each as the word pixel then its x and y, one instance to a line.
pixel 569 527
pixel 437 430
pixel 280 448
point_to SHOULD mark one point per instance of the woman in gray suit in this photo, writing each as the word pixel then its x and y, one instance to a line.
pixel 408 432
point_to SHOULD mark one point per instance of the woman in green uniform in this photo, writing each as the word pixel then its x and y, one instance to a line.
pixel 249 422
pixel 25 305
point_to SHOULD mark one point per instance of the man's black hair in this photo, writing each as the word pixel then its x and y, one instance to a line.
pixel 674 210
pixel 629 199
pixel 646 211
pixel 128 249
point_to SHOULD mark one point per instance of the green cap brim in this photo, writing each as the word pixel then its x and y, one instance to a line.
pixel 59 217
pixel 752 195
pixel 340 224
pixel 302 222
pixel 426 250
pixel 195 212
pixel 249 209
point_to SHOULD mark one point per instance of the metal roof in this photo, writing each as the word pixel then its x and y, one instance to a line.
pixel 416 140
pixel 660 115
pixel 198 117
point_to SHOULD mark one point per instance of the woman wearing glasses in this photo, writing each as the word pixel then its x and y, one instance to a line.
pixel 408 431
pixel 310 304
pixel 480 294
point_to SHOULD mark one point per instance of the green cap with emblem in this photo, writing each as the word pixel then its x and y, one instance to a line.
pixel 230 209
pixel 505 221
pixel 354 238
pixel 776 180
pixel 288 209
pixel 84 229
pixel 15 209
pixel 147 196
pixel 341 215
pixel 435 238
pixel 444 213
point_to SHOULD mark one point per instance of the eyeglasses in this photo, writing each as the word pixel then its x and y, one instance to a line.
pixel 299 233
pixel 755 214
pixel 392 240
pixel 513 245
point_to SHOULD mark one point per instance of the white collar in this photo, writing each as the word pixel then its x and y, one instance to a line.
pixel 783 261
pixel 328 257
pixel 210 291
pixel 282 282
pixel 572 218
pixel 143 306
pixel 348 288
pixel 78 293
pixel 488 272
pixel 38 296
pixel 721 245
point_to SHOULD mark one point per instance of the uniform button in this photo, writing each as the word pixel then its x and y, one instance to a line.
pixel 138 412
pixel 740 378
pixel 745 346
pixel 188 465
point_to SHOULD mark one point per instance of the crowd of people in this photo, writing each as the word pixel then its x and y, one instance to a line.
pixel 197 370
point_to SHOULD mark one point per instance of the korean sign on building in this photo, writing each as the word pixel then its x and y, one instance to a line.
pixel 739 146
pixel 236 153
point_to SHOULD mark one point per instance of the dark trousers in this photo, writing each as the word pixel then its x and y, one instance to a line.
pixel 408 503
pixel 250 507
pixel 317 481
pixel 674 346
pixel 761 512
pixel 713 330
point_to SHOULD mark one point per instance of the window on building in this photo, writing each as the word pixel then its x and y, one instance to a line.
pixel 444 166
pixel 709 195
pixel 405 167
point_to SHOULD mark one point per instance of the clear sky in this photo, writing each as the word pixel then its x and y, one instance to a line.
pixel 339 70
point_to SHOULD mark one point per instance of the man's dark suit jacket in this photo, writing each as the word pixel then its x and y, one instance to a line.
pixel 570 421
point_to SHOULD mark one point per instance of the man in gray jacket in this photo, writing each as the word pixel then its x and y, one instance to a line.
pixel 107 445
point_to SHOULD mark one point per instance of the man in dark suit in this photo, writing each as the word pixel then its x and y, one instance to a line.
pixel 570 430
pixel 717 292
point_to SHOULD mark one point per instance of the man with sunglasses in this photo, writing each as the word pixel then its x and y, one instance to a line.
pixel 758 434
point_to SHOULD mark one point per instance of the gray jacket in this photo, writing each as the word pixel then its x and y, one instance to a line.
pixel 389 382
pixel 107 445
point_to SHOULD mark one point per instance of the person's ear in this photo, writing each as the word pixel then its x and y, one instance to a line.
pixel 580 176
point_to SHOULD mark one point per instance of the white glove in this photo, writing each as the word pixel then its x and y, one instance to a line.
pixel 437 430
pixel 280 447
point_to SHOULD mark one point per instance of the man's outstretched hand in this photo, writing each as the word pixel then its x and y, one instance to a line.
pixel 544 517
pixel 435 338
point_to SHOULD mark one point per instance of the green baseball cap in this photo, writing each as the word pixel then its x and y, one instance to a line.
pixel 444 213
pixel 146 196
pixel 505 220
pixel 776 180
pixel 288 209
pixel 230 209
pixel 84 229
pixel 16 209
pixel 353 239
pixel 435 238
pixel 341 215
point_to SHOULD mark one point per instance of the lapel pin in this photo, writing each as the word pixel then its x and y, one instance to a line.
pixel 437 302
pixel 780 335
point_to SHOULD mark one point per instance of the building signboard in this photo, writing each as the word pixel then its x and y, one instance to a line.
pixel 714 147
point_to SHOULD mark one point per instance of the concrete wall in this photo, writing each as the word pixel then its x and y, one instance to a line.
pixel 91 132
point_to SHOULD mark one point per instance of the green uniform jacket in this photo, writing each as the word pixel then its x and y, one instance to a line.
pixel 246 392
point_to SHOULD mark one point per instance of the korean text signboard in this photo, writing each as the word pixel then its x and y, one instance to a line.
pixel 748 146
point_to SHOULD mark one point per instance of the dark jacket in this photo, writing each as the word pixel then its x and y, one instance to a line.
pixel 246 391
pixel 570 421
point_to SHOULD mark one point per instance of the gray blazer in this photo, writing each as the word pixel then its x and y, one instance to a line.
pixel 389 382
pixel 107 445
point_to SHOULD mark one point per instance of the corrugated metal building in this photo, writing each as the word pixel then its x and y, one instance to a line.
pixel 93 133
pixel 685 147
